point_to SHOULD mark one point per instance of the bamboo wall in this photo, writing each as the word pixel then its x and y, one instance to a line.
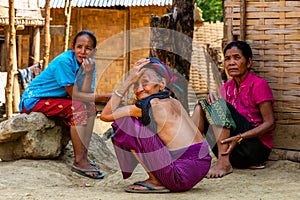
pixel 271 27
pixel 202 77
pixel 123 38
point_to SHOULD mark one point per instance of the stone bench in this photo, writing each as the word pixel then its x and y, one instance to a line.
pixel 32 136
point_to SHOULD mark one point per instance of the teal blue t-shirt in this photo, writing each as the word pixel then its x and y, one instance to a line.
pixel 62 71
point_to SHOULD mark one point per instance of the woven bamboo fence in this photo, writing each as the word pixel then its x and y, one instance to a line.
pixel 204 75
pixel 271 27
pixel 122 38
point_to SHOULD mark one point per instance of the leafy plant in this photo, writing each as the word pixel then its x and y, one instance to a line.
pixel 212 10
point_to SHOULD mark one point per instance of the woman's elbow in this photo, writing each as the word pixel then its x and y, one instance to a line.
pixel 273 125
pixel 105 118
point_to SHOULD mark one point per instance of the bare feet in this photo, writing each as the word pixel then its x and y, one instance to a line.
pixel 221 169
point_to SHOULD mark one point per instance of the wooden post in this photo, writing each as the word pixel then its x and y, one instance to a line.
pixel 47 34
pixel 5 61
pixel 35 51
pixel 10 66
pixel 68 10
pixel 162 41
pixel 243 6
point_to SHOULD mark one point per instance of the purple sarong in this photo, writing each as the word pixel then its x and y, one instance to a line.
pixel 178 170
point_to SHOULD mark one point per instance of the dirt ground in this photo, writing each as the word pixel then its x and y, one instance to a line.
pixel 53 179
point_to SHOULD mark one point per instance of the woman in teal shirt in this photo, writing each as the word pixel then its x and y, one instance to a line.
pixel 65 89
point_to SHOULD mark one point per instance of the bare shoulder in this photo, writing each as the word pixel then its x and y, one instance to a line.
pixel 165 104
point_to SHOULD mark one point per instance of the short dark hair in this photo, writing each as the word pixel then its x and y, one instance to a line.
pixel 241 45
pixel 86 32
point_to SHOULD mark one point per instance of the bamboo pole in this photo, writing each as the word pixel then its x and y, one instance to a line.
pixel 36 44
pixel 47 34
pixel 68 10
pixel 243 6
pixel 10 66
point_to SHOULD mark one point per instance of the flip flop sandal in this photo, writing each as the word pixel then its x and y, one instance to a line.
pixel 93 163
pixel 150 189
pixel 260 166
pixel 84 173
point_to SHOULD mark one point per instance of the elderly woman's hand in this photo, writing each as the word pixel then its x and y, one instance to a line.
pixel 136 72
pixel 140 63
pixel 212 97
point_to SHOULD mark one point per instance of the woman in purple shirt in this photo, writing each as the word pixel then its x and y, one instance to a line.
pixel 242 119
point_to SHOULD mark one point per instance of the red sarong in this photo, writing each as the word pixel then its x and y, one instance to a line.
pixel 72 112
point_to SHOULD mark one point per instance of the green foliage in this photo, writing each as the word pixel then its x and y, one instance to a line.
pixel 212 10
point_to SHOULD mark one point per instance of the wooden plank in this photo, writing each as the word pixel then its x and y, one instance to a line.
pixel 288 106
pixel 263 27
pixel 281 21
pixel 231 4
pixel 279 154
pixel 296 93
pixel 284 86
pixel 3 11
pixel 243 19
pixel 263 5
pixel 281 114
pixel 292 14
pixel 3 77
pixel 287 118
pixel 292 69
pixel 288 98
pixel 292 3
pixel 281 52
pixel 273 6
pixel 33 13
pixel 265 37
pixel 268 15
pixel 282 64
pixel 249 22
pixel 291 37
pixel 287 121
pixel 287 137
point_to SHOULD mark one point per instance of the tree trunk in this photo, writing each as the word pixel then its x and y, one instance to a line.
pixel 171 42
pixel 68 10
pixel 10 67
pixel 162 38
pixel 47 34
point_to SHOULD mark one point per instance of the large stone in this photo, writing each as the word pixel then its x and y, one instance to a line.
pixel 32 136
pixel 100 151
pixel 35 136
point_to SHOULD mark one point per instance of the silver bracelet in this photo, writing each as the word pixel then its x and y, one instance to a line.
pixel 118 94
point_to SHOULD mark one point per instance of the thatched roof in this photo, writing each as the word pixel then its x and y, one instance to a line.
pixel 107 3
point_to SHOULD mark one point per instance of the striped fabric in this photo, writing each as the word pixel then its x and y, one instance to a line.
pixel 106 3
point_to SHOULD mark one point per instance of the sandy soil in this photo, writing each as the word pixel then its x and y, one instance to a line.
pixel 53 179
